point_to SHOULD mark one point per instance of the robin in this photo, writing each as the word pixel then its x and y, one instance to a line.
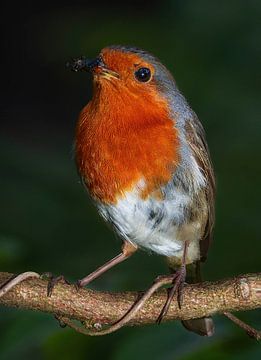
pixel 142 155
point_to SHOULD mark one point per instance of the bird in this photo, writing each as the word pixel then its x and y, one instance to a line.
pixel 142 155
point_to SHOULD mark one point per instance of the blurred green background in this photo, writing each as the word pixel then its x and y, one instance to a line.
pixel 47 222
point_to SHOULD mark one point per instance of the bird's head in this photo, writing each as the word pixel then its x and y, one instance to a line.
pixel 128 71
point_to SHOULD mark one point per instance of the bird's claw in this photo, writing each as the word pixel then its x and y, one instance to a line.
pixel 53 281
pixel 177 289
pixel 78 285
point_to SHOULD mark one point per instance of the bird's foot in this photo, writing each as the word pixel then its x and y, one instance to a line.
pixel 78 285
pixel 177 289
pixel 53 281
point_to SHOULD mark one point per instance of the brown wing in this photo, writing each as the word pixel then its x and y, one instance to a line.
pixel 196 138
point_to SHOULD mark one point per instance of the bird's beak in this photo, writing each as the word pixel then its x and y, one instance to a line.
pixel 95 66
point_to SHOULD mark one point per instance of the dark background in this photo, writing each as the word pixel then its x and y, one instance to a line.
pixel 46 220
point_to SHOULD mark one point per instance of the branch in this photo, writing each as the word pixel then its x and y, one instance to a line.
pixel 97 309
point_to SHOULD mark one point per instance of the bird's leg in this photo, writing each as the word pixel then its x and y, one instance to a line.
pixel 178 283
pixel 128 249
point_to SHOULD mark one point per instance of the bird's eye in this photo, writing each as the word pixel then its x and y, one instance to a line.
pixel 143 74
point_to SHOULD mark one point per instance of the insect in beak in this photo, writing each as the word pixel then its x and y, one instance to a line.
pixel 95 66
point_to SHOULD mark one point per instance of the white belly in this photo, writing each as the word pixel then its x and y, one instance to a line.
pixel 153 224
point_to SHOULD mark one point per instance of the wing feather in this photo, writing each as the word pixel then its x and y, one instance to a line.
pixel 195 136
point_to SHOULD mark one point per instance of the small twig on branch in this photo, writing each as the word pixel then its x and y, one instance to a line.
pixel 98 309
pixel 253 333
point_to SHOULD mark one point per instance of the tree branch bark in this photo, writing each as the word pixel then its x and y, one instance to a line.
pixel 97 309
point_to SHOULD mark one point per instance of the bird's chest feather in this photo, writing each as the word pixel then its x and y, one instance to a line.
pixel 115 151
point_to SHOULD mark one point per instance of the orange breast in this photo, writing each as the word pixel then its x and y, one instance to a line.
pixel 121 139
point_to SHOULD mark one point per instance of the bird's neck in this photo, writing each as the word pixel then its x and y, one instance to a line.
pixel 122 139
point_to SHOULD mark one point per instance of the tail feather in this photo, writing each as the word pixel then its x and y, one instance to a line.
pixel 202 326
